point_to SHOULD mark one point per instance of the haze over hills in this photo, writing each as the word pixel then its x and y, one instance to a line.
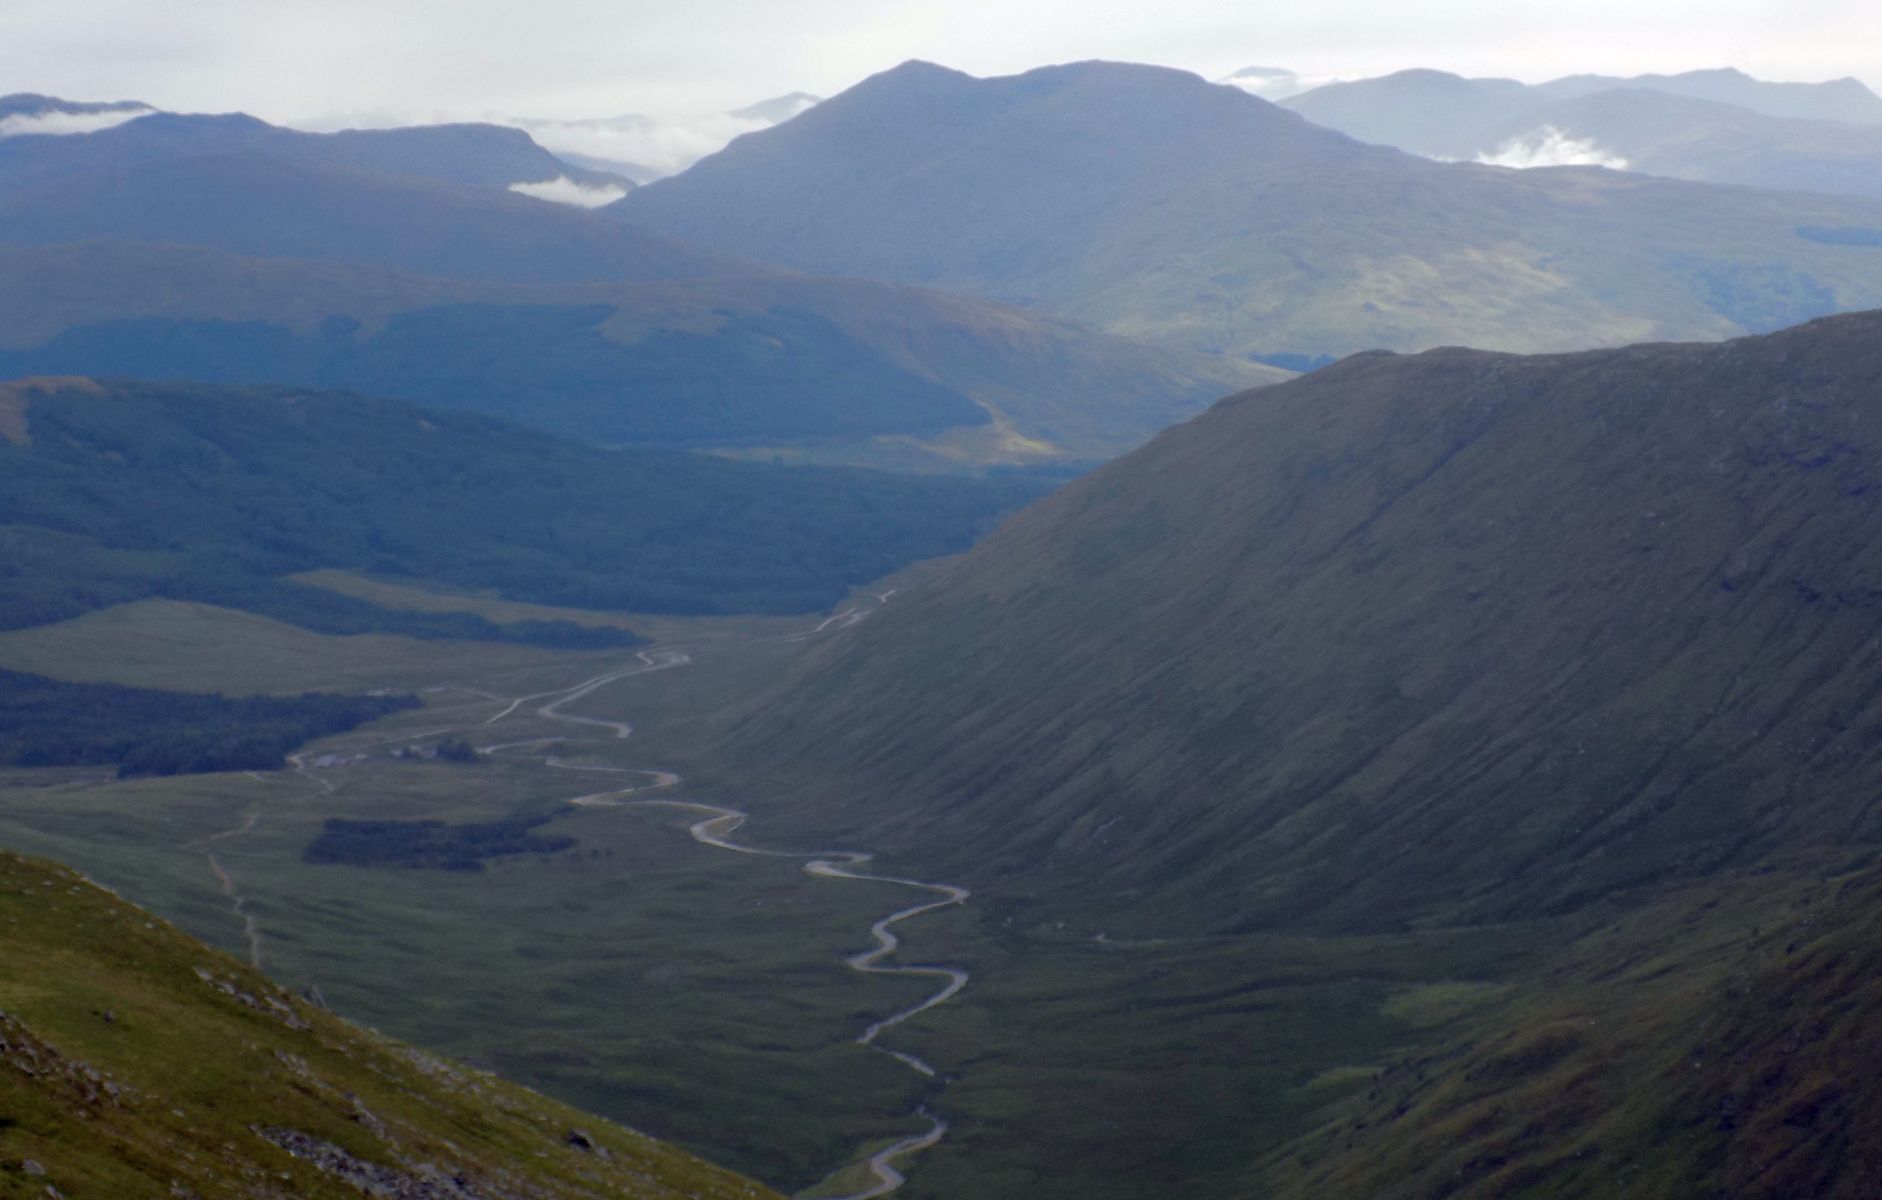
pixel 400 263
pixel 1834 100
pixel 487 156
pixel 1713 127
pixel 1693 139
pixel 955 382
pixel 260 203
pixel 1156 205
pixel 1442 115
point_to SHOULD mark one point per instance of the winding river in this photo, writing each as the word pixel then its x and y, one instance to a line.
pixel 715 828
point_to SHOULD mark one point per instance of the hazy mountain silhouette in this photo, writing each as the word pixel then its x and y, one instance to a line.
pixel 1155 204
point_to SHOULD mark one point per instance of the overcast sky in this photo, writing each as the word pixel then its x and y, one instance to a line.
pixel 322 60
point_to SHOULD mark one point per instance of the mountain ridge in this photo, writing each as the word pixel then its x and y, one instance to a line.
pixel 1329 772
pixel 1151 203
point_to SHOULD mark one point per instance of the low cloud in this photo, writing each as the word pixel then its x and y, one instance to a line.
pixel 646 148
pixel 1551 147
pixel 563 190
pixel 60 124
pixel 1275 84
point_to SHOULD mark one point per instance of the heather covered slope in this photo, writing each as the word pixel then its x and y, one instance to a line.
pixel 137 1063
pixel 1453 637
pixel 1157 205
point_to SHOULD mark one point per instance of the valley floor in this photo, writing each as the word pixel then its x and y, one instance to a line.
pixel 712 998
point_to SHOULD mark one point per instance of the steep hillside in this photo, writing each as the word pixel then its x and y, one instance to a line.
pixel 1157 205
pixel 137 1063
pixel 1452 637
pixel 282 481
pixel 732 361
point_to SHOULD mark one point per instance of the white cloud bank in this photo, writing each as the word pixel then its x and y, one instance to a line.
pixel 563 190
pixel 648 147
pixel 1551 147
pixel 62 124
pixel 1275 84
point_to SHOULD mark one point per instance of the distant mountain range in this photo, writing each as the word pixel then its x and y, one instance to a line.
pixel 401 263
pixel 1709 126
pixel 1156 205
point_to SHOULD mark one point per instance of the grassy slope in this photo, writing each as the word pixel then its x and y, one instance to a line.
pixel 1154 204
pixel 1570 657
pixel 1488 633
pixel 688 992
pixel 697 994
pixel 136 1062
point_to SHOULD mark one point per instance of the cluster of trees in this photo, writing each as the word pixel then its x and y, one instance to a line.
pixel 214 494
pixel 429 844
pixel 47 722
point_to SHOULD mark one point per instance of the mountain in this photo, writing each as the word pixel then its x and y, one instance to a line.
pixel 1545 681
pixel 1845 99
pixel 645 148
pixel 137 1062
pixel 875 372
pixel 1298 656
pixel 1642 125
pixel 402 263
pixel 1701 140
pixel 261 203
pixel 1158 206
pixel 283 481
pixel 1441 115
pixel 487 156
pixel 1433 113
